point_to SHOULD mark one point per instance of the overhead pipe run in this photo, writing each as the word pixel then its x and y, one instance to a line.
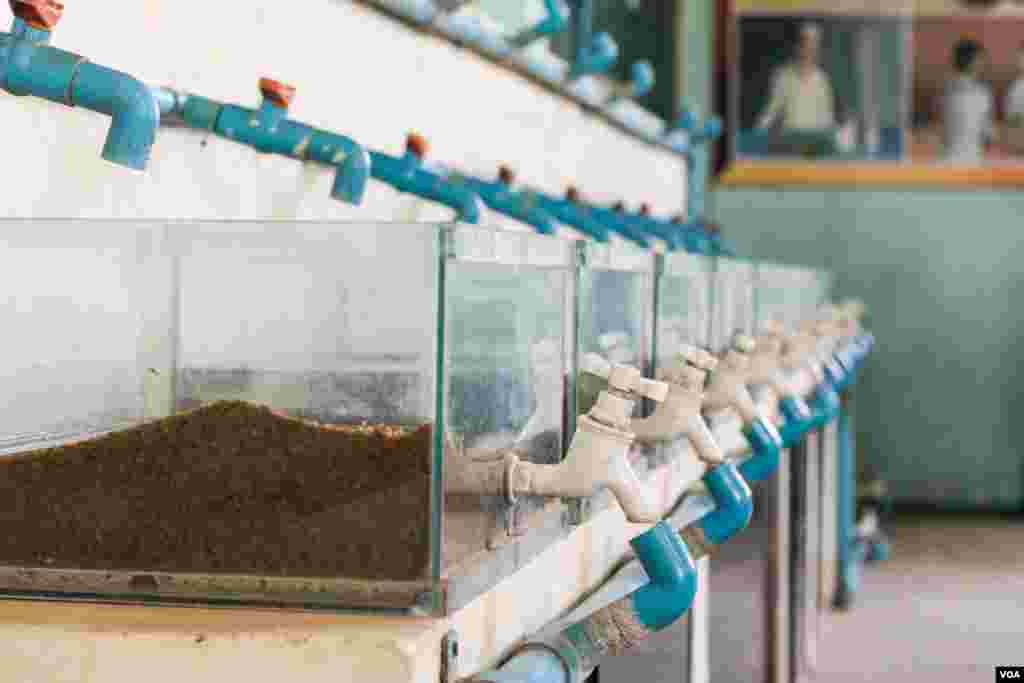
pixel 569 212
pixel 556 19
pixel 30 67
pixel 268 130
pixel 617 220
pixel 500 196
pixel 409 174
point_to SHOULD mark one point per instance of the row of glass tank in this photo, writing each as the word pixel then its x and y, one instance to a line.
pixel 477 333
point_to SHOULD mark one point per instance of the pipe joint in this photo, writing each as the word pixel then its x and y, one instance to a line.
pixel 733 512
pixel 766 445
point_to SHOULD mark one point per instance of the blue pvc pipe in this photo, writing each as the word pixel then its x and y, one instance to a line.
pixel 619 224
pixel 799 419
pixel 825 406
pixel 406 174
pixel 847 512
pixel 500 197
pixel 734 505
pixel 30 67
pixel 556 19
pixel 268 130
pixel 765 445
pixel 654 606
pixel 573 215
pixel 592 54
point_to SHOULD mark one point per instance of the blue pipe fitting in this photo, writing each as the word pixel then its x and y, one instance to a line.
pixel 836 374
pixel 592 54
pixel 268 130
pixel 30 67
pixel 673 574
pixel 694 237
pixel 765 446
pixel 734 508
pixel 825 406
pixel 641 82
pixel 565 656
pixel 663 230
pixel 571 213
pixel 698 137
pixel 799 420
pixel 618 223
pixel 499 196
pixel 407 174
pixel 556 19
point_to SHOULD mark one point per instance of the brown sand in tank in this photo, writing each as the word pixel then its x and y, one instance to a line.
pixel 230 487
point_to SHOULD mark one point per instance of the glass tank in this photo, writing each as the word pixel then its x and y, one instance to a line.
pixel 790 294
pixel 260 413
pixel 684 304
pixel 777 296
pixel 733 310
pixel 616 311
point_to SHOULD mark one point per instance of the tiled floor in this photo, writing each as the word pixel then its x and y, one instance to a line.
pixel 948 606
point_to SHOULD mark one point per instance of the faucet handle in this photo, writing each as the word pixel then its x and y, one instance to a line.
pixel 699 358
pixel 506 175
pixel 417 145
pixel 744 343
pixel 40 14
pixel 625 378
pixel 277 92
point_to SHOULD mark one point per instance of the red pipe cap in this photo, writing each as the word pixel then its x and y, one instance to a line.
pixel 417 145
pixel 506 175
pixel 41 14
pixel 572 194
pixel 277 92
pixel 645 209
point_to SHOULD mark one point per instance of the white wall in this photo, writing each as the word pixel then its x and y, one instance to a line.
pixel 357 73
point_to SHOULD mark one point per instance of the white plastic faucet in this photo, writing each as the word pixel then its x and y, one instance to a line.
pixel 727 385
pixel 597 458
pixel 766 357
pixel 679 415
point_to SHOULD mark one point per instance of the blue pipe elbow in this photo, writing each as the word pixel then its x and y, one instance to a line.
pixel 268 130
pixel 556 19
pixel 765 445
pixel 734 509
pixel 30 67
pixel 799 420
pixel 620 225
pixel 596 58
pixel 565 656
pixel 573 215
pixel 673 574
pixel 826 405
pixel 405 175
pixel 500 197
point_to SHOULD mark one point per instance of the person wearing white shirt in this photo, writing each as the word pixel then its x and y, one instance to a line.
pixel 1015 98
pixel 967 107
pixel 801 96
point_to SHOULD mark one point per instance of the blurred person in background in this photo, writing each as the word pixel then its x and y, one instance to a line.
pixel 967 107
pixel 801 95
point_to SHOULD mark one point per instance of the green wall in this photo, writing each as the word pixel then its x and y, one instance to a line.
pixel 940 271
